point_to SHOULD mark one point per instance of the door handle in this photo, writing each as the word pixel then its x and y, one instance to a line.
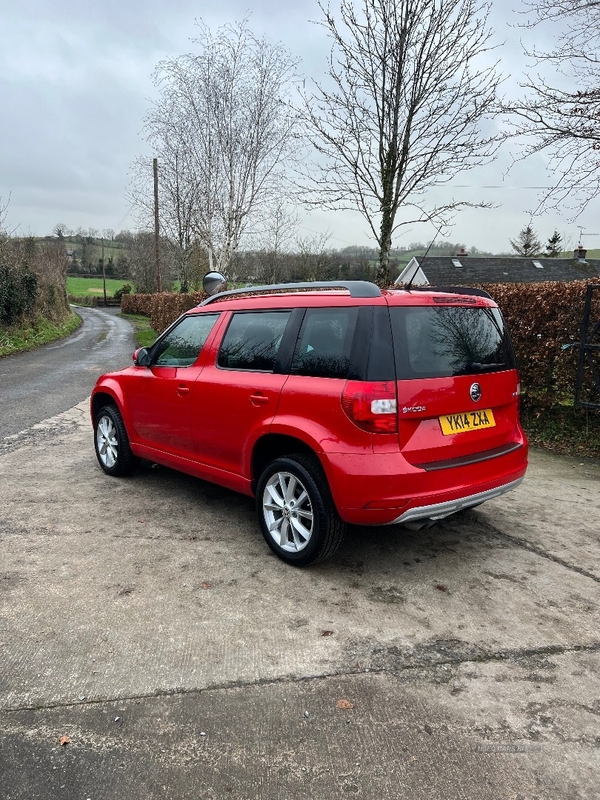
pixel 258 399
pixel 182 390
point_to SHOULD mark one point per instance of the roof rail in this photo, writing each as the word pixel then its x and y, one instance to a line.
pixel 356 289
pixel 466 290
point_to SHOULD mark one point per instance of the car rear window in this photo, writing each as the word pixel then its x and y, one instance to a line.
pixel 434 342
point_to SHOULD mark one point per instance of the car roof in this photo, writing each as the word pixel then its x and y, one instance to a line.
pixel 280 298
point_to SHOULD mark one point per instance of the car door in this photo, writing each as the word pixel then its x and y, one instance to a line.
pixel 236 396
pixel 159 396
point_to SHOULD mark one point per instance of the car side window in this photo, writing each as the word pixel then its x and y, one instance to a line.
pixel 323 347
pixel 181 346
pixel 252 340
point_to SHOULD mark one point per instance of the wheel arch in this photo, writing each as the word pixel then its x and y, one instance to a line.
pixel 274 445
pixel 296 513
pixel 104 396
pixel 111 440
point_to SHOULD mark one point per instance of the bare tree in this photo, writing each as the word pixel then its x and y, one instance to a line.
pixel 313 259
pixel 5 232
pixel 221 130
pixel 178 199
pixel 402 109
pixel 277 233
pixel 142 266
pixel 5 248
pixel 560 115
pixel 60 230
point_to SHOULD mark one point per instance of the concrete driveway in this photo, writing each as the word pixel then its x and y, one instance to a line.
pixel 145 620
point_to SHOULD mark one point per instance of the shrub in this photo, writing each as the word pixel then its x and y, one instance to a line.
pixel 18 292
pixel 125 289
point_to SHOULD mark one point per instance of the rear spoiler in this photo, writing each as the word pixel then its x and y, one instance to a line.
pixel 465 290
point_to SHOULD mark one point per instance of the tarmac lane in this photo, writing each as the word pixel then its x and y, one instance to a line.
pixel 151 646
pixel 51 379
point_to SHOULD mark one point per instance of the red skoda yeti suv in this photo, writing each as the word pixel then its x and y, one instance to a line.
pixel 338 403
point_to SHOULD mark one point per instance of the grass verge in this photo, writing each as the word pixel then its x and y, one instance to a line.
pixel 145 335
pixel 35 334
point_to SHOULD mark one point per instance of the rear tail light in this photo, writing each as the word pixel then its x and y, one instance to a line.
pixel 371 406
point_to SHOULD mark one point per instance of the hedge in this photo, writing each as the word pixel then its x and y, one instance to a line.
pixel 93 300
pixel 163 308
pixel 542 317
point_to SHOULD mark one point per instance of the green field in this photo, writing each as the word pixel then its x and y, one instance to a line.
pixel 80 287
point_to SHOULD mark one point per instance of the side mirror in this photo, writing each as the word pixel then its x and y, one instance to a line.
pixel 214 282
pixel 141 357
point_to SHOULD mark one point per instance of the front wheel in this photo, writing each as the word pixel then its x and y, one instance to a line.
pixel 295 510
pixel 112 443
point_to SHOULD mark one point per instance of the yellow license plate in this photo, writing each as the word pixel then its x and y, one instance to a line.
pixel 467 421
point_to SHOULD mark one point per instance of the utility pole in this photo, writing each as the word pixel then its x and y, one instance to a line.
pixel 103 274
pixel 156 228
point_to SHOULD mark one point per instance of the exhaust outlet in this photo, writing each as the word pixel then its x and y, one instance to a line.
pixel 417 525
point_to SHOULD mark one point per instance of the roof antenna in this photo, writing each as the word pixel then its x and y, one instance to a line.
pixel 423 257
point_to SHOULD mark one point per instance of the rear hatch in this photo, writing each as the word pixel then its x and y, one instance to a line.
pixel 458 388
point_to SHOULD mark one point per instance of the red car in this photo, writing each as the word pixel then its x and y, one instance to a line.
pixel 331 403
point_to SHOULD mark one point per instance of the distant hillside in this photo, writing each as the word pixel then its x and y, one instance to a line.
pixel 85 254
pixel 590 254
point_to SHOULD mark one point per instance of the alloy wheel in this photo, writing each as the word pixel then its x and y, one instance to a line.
pixel 288 511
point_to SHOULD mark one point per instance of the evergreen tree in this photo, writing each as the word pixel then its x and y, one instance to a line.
pixel 527 243
pixel 554 245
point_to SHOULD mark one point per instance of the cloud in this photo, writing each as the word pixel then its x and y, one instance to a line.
pixel 76 82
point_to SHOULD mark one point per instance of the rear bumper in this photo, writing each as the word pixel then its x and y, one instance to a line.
pixel 441 510
pixel 384 489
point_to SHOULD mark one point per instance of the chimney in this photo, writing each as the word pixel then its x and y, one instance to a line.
pixel 463 253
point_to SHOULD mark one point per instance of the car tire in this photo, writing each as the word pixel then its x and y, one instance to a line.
pixel 112 443
pixel 296 513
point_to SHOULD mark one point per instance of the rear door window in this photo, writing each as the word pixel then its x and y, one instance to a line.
pixel 324 343
pixel 434 342
pixel 252 340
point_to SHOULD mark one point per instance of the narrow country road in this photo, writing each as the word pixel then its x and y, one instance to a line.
pixel 52 379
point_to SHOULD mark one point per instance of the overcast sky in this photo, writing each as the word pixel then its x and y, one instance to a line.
pixel 75 83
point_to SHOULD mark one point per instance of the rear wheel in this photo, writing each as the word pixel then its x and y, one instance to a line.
pixel 112 443
pixel 295 510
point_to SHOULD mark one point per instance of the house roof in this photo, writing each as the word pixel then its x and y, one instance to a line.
pixel 465 270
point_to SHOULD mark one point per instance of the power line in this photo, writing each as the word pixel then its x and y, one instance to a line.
pixel 124 217
pixel 490 186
